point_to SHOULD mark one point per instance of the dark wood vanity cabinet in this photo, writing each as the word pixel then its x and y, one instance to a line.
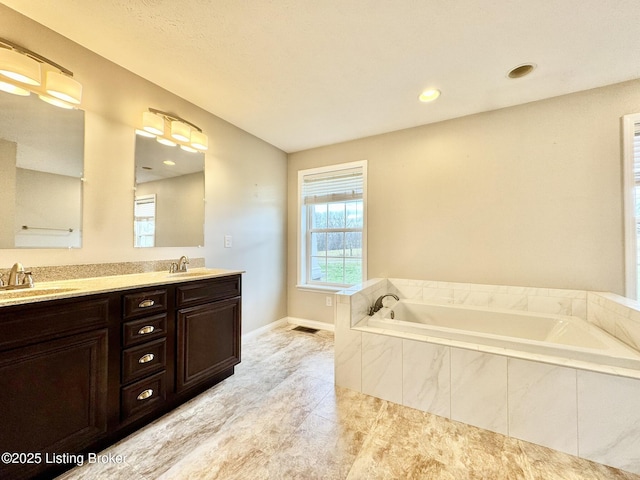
pixel 208 342
pixel 144 356
pixel 80 373
pixel 53 381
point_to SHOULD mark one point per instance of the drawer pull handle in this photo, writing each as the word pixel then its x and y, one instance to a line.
pixel 146 358
pixel 146 303
pixel 146 394
pixel 146 330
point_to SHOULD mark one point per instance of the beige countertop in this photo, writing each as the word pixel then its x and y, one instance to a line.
pixel 44 291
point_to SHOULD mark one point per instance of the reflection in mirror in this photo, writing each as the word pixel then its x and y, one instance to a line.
pixel 631 175
pixel 41 168
pixel 169 196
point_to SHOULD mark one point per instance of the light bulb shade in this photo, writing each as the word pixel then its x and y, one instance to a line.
pixel 144 133
pixel 186 148
pixel 19 67
pixel 56 102
pixel 180 131
pixel 166 141
pixel 64 87
pixel 153 123
pixel 199 140
pixel 13 89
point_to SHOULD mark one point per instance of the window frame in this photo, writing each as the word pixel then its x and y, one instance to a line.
pixel 137 238
pixel 630 124
pixel 303 253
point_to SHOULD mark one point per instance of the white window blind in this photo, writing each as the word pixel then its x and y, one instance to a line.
pixel 145 206
pixel 336 186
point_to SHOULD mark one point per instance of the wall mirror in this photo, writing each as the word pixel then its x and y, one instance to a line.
pixel 41 169
pixel 169 196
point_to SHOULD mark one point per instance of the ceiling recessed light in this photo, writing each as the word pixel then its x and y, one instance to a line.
pixel 521 70
pixel 429 95
pixel 169 162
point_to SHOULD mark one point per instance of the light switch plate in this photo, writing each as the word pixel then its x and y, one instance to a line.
pixel 228 241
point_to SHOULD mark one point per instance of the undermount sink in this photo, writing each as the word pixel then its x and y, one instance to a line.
pixel 189 274
pixel 33 292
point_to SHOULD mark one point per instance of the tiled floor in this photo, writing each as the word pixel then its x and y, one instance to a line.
pixel 280 417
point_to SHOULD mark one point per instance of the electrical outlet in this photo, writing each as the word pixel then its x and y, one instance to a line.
pixel 228 241
pixel 328 301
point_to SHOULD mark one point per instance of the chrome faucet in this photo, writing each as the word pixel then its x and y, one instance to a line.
pixel 378 305
pixel 182 263
pixel 14 276
pixel 18 278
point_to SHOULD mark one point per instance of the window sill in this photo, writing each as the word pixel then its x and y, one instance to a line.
pixel 319 288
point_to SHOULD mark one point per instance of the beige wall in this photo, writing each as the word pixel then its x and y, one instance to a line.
pixel 8 153
pixel 245 179
pixel 62 196
pixel 529 195
pixel 179 209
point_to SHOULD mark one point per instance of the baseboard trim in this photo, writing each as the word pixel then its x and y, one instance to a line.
pixel 265 328
pixel 303 322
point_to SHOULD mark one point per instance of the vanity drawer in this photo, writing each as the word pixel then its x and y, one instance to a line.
pixel 194 293
pixel 143 396
pixel 144 303
pixel 143 329
pixel 144 359
pixel 29 324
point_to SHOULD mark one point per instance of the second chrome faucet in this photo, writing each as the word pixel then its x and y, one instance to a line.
pixel 180 265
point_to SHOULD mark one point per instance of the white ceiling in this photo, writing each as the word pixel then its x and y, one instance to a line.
pixel 305 73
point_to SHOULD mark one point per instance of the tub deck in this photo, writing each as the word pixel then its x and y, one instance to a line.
pixel 558 338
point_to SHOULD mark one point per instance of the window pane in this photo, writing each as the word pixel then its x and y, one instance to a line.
pixel 336 215
pixel 354 214
pixel 318 216
pixel 335 270
pixel 352 270
pixel 318 271
pixel 318 244
pixel 353 244
pixel 335 244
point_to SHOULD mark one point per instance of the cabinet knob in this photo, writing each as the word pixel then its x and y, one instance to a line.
pixel 146 358
pixel 146 303
pixel 145 394
pixel 146 330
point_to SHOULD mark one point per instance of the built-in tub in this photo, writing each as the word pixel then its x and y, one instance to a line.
pixel 537 333
pixel 556 380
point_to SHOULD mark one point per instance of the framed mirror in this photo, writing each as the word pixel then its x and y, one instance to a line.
pixel 169 196
pixel 41 169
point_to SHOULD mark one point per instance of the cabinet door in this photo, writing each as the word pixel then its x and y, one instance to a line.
pixel 208 341
pixel 53 397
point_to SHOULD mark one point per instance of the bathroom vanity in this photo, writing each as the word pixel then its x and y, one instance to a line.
pixel 84 363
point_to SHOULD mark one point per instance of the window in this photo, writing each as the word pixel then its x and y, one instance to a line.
pixel 332 233
pixel 631 134
pixel 144 221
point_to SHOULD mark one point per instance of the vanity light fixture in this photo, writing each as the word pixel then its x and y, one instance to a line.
pixel 22 72
pixel 429 95
pixel 171 130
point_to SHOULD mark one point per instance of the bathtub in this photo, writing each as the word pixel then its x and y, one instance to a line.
pixel 554 380
pixel 558 336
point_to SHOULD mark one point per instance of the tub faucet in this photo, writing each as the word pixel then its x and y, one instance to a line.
pixel 378 305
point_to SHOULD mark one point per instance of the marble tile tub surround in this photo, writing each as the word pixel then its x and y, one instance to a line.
pixel 91 270
pixel 593 415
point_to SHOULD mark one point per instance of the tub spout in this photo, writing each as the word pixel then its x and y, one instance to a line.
pixel 378 305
